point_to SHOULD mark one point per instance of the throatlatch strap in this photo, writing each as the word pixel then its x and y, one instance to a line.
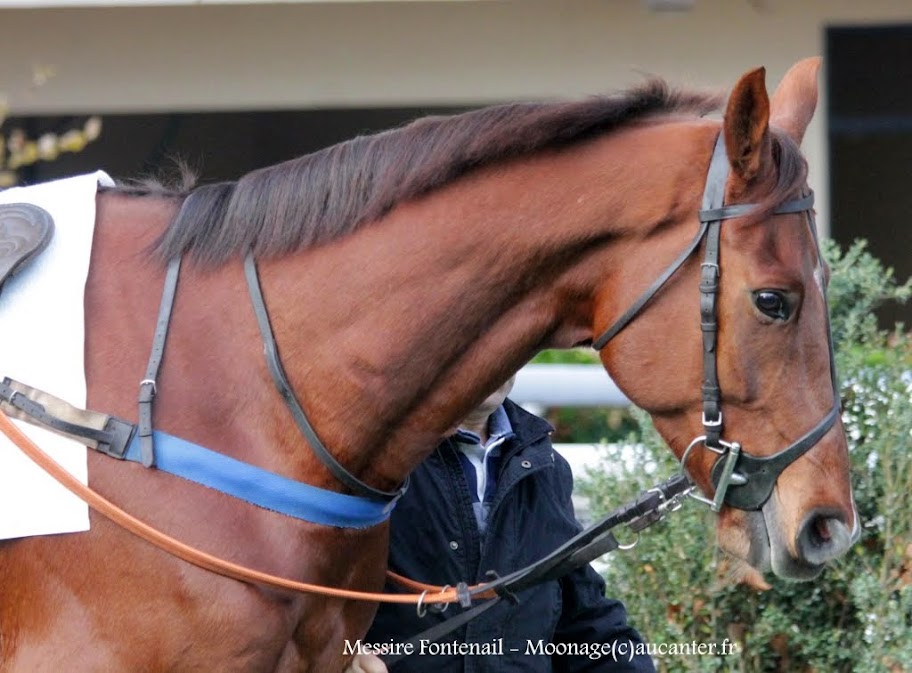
pixel 147 387
pixel 649 292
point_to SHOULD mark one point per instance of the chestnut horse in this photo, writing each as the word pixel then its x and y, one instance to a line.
pixel 407 275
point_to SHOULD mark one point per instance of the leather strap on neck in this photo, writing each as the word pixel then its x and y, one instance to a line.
pixel 271 351
pixel 148 387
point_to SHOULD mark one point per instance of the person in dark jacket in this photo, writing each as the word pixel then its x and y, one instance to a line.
pixel 495 496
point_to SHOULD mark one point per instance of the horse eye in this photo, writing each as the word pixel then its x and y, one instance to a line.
pixel 772 303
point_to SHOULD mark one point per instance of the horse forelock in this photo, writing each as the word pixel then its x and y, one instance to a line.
pixel 791 173
pixel 323 196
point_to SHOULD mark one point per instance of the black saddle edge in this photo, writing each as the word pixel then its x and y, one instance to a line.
pixel 30 240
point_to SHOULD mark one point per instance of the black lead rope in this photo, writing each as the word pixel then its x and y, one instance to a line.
pixel 582 549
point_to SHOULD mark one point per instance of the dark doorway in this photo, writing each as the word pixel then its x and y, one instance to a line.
pixel 869 87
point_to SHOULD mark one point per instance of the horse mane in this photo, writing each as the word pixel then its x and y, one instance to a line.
pixel 325 195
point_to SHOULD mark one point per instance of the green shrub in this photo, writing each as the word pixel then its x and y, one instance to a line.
pixel 856 617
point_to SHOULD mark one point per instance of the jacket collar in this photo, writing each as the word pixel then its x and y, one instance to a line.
pixel 527 425
pixel 499 429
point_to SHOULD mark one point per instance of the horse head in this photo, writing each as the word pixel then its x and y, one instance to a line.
pixel 741 381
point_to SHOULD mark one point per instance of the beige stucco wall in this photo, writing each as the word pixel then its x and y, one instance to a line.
pixel 155 58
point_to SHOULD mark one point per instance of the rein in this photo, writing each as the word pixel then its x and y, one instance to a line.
pixel 179 549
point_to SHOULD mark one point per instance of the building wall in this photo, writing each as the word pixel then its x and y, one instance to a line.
pixel 292 56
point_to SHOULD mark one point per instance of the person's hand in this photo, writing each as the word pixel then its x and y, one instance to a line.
pixel 366 663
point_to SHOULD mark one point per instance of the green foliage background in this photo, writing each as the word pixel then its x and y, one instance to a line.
pixel 857 617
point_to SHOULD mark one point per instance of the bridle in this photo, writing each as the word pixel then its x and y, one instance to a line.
pixel 740 480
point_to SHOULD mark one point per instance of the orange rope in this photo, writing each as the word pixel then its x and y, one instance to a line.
pixel 200 558
pixel 414 585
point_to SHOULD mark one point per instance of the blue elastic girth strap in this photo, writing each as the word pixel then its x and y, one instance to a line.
pixel 260 487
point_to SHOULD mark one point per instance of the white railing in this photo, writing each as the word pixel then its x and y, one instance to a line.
pixel 539 386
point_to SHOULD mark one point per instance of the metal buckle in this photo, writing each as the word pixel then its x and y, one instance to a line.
pixel 712 424
pixel 674 503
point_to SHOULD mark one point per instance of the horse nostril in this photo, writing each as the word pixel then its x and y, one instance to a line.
pixel 823 536
pixel 822 528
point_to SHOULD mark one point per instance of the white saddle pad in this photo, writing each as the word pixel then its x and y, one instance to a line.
pixel 42 329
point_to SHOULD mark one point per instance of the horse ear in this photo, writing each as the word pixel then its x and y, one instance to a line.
pixel 796 98
pixel 746 125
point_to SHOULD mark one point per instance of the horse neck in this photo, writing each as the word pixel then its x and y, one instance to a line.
pixel 391 335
